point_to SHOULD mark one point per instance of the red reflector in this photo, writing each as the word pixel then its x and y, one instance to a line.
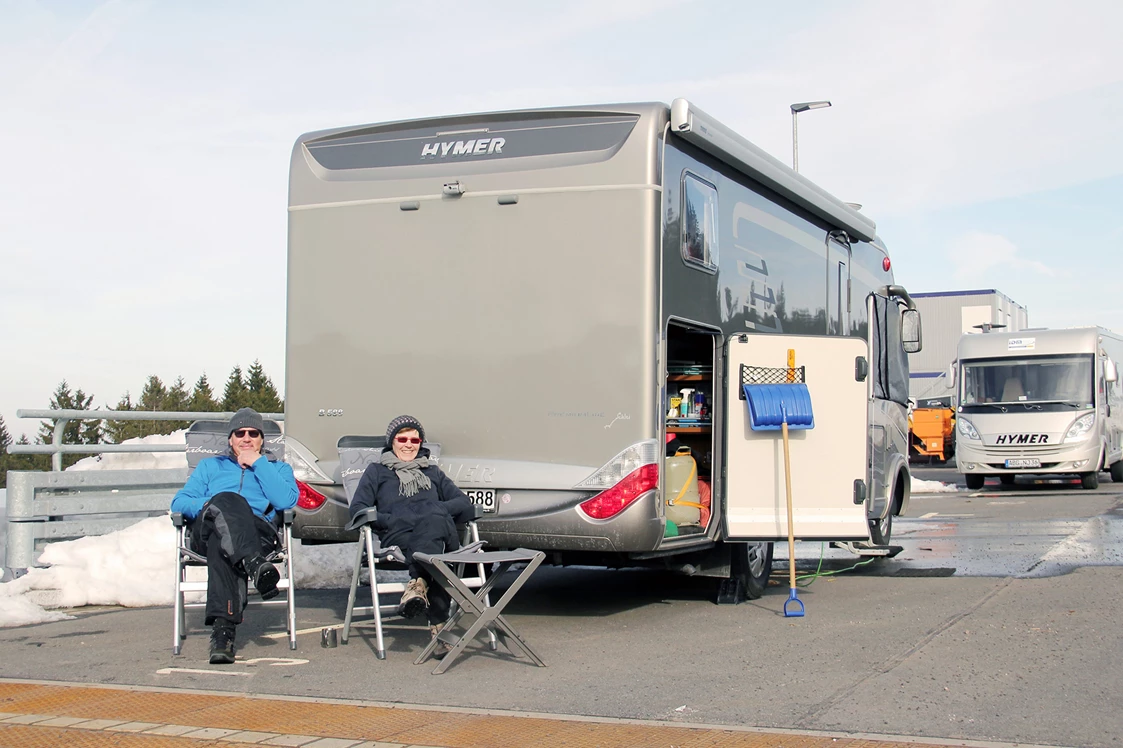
pixel 309 497
pixel 613 501
pixel 885 264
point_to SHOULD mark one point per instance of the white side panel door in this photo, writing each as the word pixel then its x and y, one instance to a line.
pixel 825 460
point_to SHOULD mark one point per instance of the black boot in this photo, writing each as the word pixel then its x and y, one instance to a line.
pixel 222 642
pixel 264 576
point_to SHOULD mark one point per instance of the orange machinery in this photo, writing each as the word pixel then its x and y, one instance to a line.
pixel 932 433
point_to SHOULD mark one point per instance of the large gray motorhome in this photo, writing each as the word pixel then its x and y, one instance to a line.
pixel 538 287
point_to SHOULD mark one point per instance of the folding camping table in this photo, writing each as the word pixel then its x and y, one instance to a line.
pixel 475 603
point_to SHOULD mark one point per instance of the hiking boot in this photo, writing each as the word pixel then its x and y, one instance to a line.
pixel 442 647
pixel 264 576
pixel 222 643
pixel 415 600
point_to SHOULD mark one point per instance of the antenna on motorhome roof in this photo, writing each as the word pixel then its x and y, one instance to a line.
pixel 988 326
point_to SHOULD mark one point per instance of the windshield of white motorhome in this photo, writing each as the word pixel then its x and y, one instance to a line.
pixel 1035 379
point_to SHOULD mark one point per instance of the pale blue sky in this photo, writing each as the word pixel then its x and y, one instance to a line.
pixel 142 202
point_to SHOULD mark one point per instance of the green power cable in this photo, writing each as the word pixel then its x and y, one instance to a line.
pixel 819 570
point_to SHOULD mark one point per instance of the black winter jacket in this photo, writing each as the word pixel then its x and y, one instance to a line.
pixel 397 515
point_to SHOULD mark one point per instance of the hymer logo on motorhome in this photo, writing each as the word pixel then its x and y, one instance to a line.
pixel 1022 439
pixel 478 147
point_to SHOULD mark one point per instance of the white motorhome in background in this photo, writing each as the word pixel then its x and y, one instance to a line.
pixel 1039 401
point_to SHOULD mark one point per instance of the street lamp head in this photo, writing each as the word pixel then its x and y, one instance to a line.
pixel 803 106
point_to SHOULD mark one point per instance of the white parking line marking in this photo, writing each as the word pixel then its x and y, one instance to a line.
pixel 171 670
pixel 276 661
pixel 930 515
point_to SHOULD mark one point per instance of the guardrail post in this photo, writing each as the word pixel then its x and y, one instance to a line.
pixel 56 442
pixel 20 551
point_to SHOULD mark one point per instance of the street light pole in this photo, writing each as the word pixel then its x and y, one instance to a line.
pixel 803 106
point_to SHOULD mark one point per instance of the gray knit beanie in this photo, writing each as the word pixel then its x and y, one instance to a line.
pixel 246 418
pixel 403 422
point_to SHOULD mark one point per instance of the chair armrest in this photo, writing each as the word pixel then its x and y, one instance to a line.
pixel 365 517
pixel 472 547
pixel 177 519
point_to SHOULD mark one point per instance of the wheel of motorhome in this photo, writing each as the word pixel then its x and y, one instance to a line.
pixel 1006 480
pixel 1117 472
pixel 1090 481
pixel 882 529
pixel 974 481
pixel 752 565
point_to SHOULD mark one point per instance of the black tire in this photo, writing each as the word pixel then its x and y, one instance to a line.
pixel 752 565
pixel 974 481
pixel 881 530
pixel 1007 480
pixel 1090 481
pixel 1117 472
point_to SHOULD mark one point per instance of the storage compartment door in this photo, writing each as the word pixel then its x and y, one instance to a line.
pixel 825 460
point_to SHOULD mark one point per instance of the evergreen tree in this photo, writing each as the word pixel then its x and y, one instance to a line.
pixel 76 432
pixel 23 462
pixel 263 395
pixel 202 397
pixel 155 397
pixel 235 395
pixel 5 440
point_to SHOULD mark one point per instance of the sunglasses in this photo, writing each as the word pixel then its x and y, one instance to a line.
pixel 407 440
pixel 242 433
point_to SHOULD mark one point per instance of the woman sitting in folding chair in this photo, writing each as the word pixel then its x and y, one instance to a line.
pixel 418 508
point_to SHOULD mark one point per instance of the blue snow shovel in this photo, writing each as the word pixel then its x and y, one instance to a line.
pixel 783 406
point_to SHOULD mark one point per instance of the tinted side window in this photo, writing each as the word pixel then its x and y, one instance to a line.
pixel 699 222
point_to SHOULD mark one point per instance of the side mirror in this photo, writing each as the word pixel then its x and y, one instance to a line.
pixel 1111 374
pixel 910 330
pixel 951 376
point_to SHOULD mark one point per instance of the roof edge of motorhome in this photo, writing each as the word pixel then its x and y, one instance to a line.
pixel 699 128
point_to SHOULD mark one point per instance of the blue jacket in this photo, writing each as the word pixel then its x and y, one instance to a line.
pixel 266 485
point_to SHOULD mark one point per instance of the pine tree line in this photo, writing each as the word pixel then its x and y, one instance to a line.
pixel 254 389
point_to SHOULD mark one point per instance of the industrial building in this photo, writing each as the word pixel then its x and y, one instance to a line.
pixel 946 316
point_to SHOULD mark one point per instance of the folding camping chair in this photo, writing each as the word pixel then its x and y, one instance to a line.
pixel 206 439
pixel 355 454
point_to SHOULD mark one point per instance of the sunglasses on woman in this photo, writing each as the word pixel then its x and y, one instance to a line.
pixel 407 440
pixel 243 433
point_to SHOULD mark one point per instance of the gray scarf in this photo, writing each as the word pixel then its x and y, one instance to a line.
pixel 409 473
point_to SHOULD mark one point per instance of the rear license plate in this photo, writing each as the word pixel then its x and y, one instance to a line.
pixel 1023 462
pixel 483 497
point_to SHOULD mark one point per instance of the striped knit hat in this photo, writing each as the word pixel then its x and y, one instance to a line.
pixel 403 422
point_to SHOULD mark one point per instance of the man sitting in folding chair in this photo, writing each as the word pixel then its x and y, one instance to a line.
pixel 418 509
pixel 230 500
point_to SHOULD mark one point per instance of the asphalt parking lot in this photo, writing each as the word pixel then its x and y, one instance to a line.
pixel 996 622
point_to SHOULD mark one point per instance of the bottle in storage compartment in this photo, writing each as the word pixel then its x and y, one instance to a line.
pixel 683 506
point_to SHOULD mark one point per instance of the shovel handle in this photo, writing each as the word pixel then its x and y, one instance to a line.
pixel 791 522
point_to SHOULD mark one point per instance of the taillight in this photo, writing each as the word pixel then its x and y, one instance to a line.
pixel 309 497
pixel 613 501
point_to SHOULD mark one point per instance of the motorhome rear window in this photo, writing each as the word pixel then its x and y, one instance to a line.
pixel 699 222
pixel 374 148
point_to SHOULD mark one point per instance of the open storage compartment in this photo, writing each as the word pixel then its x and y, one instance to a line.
pixel 691 357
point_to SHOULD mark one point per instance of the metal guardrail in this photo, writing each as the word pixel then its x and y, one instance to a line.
pixel 60 505
pixel 45 506
pixel 62 417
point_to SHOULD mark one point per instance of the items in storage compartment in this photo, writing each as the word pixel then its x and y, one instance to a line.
pixel 681 489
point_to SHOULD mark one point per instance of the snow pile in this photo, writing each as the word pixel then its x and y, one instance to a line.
pixel 139 460
pixel 932 486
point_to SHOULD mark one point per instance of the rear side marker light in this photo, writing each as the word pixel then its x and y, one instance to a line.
pixel 309 497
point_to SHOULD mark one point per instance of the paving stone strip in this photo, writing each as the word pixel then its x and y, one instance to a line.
pixel 51 715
